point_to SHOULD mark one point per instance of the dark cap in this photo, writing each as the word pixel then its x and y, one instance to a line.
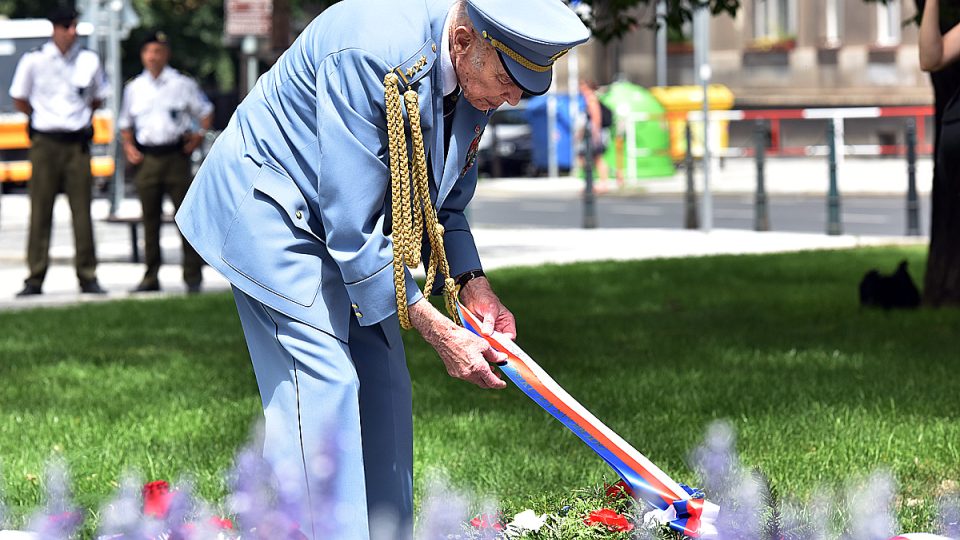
pixel 157 36
pixel 62 15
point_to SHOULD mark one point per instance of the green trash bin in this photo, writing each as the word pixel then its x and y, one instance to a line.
pixel 634 104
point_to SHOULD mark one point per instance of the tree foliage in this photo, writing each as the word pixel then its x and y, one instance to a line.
pixel 611 19
pixel 197 47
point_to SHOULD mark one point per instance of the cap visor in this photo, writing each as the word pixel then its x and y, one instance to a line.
pixel 529 81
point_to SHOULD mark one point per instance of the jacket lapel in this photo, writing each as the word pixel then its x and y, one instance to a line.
pixel 468 125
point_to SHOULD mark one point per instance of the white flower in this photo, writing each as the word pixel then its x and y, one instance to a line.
pixel 528 520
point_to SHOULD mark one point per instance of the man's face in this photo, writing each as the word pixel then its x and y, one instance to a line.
pixel 485 82
pixel 65 34
pixel 154 56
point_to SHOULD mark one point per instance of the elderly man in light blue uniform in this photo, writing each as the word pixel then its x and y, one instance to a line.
pixel 297 205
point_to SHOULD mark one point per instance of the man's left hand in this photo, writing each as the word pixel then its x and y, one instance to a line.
pixel 478 297
pixel 193 141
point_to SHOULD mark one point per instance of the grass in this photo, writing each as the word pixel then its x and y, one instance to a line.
pixel 819 391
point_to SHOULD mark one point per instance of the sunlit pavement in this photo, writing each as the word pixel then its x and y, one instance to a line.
pixel 498 247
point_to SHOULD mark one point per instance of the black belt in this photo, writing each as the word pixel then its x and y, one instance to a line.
pixel 81 136
pixel 160 149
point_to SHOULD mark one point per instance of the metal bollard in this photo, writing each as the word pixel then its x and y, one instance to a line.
pixel 913 202
pixel 833 195
pixel 589 197
pixel 691 221
pixel 761 215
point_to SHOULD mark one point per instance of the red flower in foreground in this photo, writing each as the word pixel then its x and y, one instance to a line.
pixel 221 523
pixel 156 498
pixel 610 519
pixel 618 490
pixel 486 521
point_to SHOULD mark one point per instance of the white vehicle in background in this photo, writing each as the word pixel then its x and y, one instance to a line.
pixel 17 36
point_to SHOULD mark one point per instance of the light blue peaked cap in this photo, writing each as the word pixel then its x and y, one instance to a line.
pixel 529 36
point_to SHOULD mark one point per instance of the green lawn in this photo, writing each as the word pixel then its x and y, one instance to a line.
pixel 819 391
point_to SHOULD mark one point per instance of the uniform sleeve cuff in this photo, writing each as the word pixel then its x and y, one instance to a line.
pixel 374 299
pixel 461 252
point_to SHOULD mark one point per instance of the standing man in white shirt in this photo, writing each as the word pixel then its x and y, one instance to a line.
pixel 163 118
pixel 59 85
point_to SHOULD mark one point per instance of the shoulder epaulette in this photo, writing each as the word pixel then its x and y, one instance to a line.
pixel 418 65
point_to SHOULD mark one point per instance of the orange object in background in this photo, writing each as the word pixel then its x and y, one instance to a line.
pixel 13 132
pixel 14 136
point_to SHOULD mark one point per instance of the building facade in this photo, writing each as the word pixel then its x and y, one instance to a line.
pixel 787 53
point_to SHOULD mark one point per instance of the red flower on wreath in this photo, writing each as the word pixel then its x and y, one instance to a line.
pixel 487 521
pixel 156 498
pixel 610 519
pixel 221 523
pixel 618 490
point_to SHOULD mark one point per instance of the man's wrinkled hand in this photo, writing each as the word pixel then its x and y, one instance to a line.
pixel 479 298
pixel 465 355
pixel 468 357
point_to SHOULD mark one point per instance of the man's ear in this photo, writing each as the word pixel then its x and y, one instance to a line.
pixel 462 39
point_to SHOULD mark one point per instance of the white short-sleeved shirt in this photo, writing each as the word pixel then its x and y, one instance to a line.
pixel 161 110
pixel 60 87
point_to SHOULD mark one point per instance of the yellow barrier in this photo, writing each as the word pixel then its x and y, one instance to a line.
pixel 20 171
pixel 13 132
pixel 680 100
pixel 14 136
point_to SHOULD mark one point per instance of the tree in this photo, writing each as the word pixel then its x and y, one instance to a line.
pixel 611 19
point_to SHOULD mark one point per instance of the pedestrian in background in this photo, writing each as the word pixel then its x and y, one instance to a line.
pixel 163 119
pixel 599 120
pixel 59 85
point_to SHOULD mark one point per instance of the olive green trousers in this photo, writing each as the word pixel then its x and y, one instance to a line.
pixel 159 175
pixel 60 166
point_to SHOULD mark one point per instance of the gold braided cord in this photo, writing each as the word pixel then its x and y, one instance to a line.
pixel 397 147
pixel 502 47
pixel 412 211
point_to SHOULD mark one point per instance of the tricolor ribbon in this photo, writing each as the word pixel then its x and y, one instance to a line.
pixel 683 510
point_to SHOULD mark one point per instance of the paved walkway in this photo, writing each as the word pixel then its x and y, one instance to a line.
pixel 498 247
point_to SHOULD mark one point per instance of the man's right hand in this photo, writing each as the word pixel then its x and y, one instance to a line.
pixel 134 156
pixel 465 355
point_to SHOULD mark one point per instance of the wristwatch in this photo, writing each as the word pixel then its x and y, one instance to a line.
pixel 462 279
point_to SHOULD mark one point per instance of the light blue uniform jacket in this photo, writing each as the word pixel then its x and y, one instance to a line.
pixel 292 204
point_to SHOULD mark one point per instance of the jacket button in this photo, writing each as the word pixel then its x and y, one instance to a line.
pixel 434 47
pixel 359 315
pixel 299 214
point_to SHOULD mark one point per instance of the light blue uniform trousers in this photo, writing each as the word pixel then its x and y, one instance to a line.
pixel 338 421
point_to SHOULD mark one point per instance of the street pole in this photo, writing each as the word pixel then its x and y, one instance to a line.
pixel 552 169
pixel 691 220
pixel 113 72
pixel 913 203
pixel 589 197
pixel 249 49
pixel 833 195
pixel 701 24
pixel 573 89
pixel 762 217
pixel 661 44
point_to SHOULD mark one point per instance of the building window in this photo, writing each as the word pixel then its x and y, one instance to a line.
pixel 888 23
pixel 774 21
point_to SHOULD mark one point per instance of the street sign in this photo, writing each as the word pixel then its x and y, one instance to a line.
pixel 248 17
